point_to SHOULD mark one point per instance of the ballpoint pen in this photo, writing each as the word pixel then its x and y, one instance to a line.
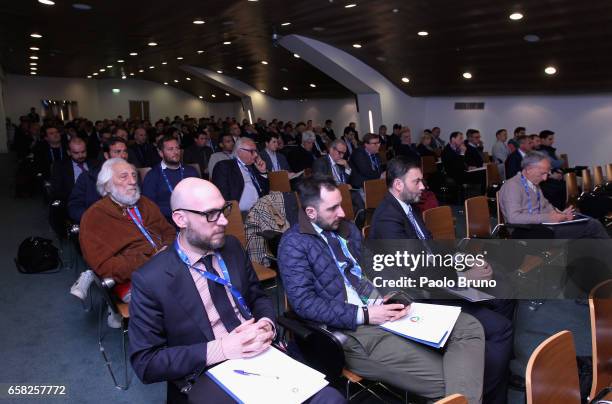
pixel 245 373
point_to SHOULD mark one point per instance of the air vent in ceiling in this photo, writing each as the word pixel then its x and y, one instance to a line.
pixel 469 105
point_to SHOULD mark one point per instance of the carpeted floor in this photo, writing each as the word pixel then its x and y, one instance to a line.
pixel 48 338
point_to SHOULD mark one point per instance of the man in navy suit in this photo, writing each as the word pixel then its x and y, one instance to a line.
pixel 66 173
pixel 365 162
pixel 397 218
pixel 184 318
pixel 513 162
pixel 242 178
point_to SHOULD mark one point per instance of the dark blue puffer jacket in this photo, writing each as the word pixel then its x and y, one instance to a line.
pixel 315 288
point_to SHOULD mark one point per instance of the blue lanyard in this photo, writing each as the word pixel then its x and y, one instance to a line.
pixel 138 221
pixel 347 253
pixel 374 162
pixel 170 188
pixel 208 275
pixel 253 178
pixel 524 182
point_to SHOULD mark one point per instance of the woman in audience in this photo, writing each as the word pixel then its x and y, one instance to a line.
pixel 424 148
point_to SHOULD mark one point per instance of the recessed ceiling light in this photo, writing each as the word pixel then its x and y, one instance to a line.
pixel 34 48
pixel 141 71
pixel 120 61
pixel 550 70
pixel 212 95
pixel 165 83
pixel 187 78
pixel 263 62
pixel 131 74
pixel 351 5
pixel 318 29
pixel 239 67
pixel 227 94
pixel 179 58
pixel 164 63
pixel 200 97
pixel 95 74
pixel 152 44
pixel 123 77
pixel 102 70
pixel 516 16
pixel 252 0
pixel 133 54
pixel 220 71
pixel 109 66
pixel 295 55
pixel 356 45
pixel 33 68
pixel 198 22
pixel 116 90
pixel 262 90
pixel 467 75
pixel 313 85
pixel 175 80
pixel 33 63
pixel 47 2
pixel 200 52
pixel 89 77
pixel 35 35
pixel 531 38
pixel 285 88
pixel 33 73
pixel 151 67
pixel 422 33
pixel 33 57
pixel 405 79
pixel 285 24
pixel 395 10
pixel 81 6
pixel 227 43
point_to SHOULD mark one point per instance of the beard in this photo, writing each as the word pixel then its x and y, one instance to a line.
pixel 204 244
pixel 410 197
pixel 328 226
pixel 123 198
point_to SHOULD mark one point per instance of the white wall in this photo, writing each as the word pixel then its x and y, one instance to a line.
pixel 582 123
pixel 95 97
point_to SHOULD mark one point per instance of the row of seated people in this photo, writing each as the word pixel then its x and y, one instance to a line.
pixel 150 233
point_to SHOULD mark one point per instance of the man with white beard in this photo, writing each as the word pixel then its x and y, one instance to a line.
pixel 121 231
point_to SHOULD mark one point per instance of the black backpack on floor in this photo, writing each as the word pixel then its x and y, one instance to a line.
pixel 37 254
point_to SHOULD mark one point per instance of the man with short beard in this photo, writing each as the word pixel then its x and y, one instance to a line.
pixel 123 230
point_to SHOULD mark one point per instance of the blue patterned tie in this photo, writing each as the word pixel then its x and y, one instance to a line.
pixel 415 224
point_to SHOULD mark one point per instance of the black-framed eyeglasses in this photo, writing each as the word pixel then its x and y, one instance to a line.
pixel 211 215
pixel 252 151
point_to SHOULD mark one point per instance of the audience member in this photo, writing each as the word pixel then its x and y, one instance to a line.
pixel 319 265
pixel 302 157
pixel 48 151
pixel 547 139
pixel 199 153
pixel 365 161
pixel 350 139
pixel 242 178
pixel 513 162
pixel 226 146
pixel 405 147
pixel 425 147
pixel 142 153
pixel 329 131
pixel 474 157
pixel 275 161
pixel 437 142
pixel 513 143
pixel 67 172
pixel 453 158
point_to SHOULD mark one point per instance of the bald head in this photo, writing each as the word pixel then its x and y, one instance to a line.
pixel 195 193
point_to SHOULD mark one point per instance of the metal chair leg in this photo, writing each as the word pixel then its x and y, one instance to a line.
pixel 108 363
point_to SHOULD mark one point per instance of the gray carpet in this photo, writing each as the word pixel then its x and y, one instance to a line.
pixel 48 337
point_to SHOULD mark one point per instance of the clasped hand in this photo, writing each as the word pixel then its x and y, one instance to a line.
pixel 248 339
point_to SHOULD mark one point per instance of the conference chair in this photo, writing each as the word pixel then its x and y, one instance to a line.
pixel 279 181
pixel 453 399
pixel 440 223
pixel 552 373
pixel 428 166
pixel 104 287
pixel 347 202
pixel 374 191
pixel 609 172
pixel 197 168
pixel 598 178
pixel 477 222
pixel 142 173
pixel 486 157
pixel 571 187
pixel 587 181
pixel 600 305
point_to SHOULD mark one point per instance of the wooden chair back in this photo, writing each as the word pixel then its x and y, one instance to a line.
pixel 493 176
pixel 600 305
pixel 375 191
pixel 500 214
pixel 552 373
pixel 587 181
pixel 486 157
pixel 477 222
pixel 609 172
pixel 279 181
pixel 453 399
pixel 439 222
pixel 598 178
pixel 571 188
pixel 235 227
pixel 565 159
pixel 428 165
pixel 347 203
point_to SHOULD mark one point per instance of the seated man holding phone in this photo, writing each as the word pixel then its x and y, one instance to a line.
pixel 319 265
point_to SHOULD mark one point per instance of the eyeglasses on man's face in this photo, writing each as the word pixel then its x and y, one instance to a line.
pixel 252 151
pixel 211 215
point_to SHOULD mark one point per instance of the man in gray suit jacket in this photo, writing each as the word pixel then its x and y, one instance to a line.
pixel 522 202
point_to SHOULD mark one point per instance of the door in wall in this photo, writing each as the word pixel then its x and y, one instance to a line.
pixel 139 110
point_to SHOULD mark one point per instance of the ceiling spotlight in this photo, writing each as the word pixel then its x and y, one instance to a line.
pixel 212 95
pixel 47 2
pixel 33 68
pixel 33 73
pixel 422 33
pixel 33 57
pixel 227 94
pixel 405 79
pixel 550 70
pixel 239 67
pixel 164 63
pixel 263 62
pixel 120 61
pixel 89 77
pixel 285 88
pixel 356 45
pixel 95 74
pixel 198 22
pixel 141 71
pixel 200 97
pixel 116 90
pixel 220 71
pixel 263 91
pixel 531 38
pixel 109 66
pixel 81 6
pixel 133 54
pixel 165 83
pixel 102 70
pixel 123 77
pixel 34 48
pixel 187 78
pixel 351 5
pixel 151 67
pixel 516 16
pixel 179 58
pixel 33 63
pixel 467 75
pixel 318 29
pixel 175 80
pixel 313 85
pixel 35 35
pixel 295 55
pixel 200 52
pixel 227 43
pixel 395 10
pixel 152 44
pixel 131 74
pixel 285 24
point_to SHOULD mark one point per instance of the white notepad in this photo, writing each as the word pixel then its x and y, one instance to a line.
pixel 429 324
pixel 272 378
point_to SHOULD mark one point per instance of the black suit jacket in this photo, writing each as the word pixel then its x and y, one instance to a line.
pixel 228 178
pixel 513 164
pixel 473 156
pixel 144 155
pixel 362 168
pixel 390 221
pixel 409 151
pixel 169 327
pixel 198 155
pixel 300 159
pixel 330 133
pixel 322 167
pixel 62 178
pixel 454 164
pixel 42 158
